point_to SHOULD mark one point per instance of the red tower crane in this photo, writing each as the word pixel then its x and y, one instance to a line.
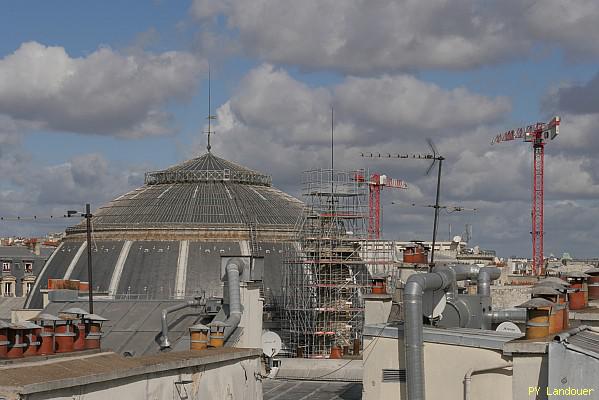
pixel 538 134
pixel 375 185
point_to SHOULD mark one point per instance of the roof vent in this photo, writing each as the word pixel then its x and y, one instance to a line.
pixel 394 375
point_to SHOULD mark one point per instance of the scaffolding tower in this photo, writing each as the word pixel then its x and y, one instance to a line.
pixel 325 271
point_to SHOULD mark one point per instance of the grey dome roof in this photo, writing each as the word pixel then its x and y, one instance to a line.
pixel 207 168
pixel 204 192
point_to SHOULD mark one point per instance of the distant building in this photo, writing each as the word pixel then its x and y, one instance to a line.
pixel 20 267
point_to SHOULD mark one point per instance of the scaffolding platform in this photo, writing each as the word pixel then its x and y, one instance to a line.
pixel 329 270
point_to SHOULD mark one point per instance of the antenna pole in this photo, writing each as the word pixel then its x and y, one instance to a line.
pixel 435 222
pixel 88 215
pixel 332 137
pixel 209 110
pixel 332 160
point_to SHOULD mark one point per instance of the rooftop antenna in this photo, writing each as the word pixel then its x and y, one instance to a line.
pixel 332 159
pixel 440 158
pixel 332 136
pixel 210 116
pixel 434 156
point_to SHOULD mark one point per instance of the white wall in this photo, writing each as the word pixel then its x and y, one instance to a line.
pixel 251 318
pixel 227 380
pixel 445 368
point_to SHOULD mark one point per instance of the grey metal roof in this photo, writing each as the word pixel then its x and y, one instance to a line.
pixel 544 290
pixel 7 304
pixel 148 269
pixel 18 252
pixel 456 336
pixel 536 302
pixel 183 201
pixel 573 361
pixel 586 341
pixel 207 168
pixel 134 326
pixel 592 271
pixel 309 390
pixel 576 274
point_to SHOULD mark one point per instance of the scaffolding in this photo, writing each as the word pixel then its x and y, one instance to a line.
pixel 329 267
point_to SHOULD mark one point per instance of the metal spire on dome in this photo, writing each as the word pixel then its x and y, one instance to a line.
pixel 210 116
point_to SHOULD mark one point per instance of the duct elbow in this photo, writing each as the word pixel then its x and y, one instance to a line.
pixel 493 272
pixel 164 341
pixel 414 286
pixel 234 269
pixel 485 276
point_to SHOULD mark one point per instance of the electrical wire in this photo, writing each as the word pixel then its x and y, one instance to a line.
pixel 33 218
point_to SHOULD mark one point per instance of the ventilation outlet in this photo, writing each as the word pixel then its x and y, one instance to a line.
pixel 394 375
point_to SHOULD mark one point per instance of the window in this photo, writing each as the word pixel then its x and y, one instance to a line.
pixel 8 288
pixel 28 267
pixel 28 287
pixel 5 266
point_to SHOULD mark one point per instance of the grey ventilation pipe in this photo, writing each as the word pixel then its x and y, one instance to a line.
pixel 463 271
pixel 164 342
pixel 485 276
pixel 442 278
pixel 509 314
pixel 416 285
pixel 234 269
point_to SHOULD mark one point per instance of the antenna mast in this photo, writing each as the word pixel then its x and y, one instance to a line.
pixel 210 116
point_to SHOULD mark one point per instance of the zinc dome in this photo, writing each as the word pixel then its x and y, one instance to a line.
pixel 164 239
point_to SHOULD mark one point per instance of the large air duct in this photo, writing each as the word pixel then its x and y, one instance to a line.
pixel 484 278
pixel 508 314
pixel 414 289
pixel 234 269
pixel 442 278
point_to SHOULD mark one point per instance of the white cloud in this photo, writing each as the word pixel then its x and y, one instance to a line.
pixel 29 189
pixel 364 37
pixel 272 113
pixel 571 24
pixel 277 124
pixel 105 92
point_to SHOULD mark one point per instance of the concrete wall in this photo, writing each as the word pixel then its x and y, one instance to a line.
pixel 376 310
pixel 530 370
pixel 445 368
pixel 251 319
pixel 509 296
pixel 227 381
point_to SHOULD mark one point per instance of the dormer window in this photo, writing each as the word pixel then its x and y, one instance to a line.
pixel 28 267
pixel 5 266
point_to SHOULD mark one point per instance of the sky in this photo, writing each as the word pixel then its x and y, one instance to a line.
pixel 94 94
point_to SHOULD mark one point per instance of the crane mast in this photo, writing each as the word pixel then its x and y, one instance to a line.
pixel 538 134
pixel 375 186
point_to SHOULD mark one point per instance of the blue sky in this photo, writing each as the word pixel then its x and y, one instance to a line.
pixel 119 88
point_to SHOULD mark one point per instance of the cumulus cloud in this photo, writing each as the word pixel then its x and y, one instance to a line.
pixel 84 178
pixel 571 24
pixel 278 124
pixel 275 114
pixel 290 111
pixel 31 189
pixel 363 37
pixel 105 92
pixel 579 99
